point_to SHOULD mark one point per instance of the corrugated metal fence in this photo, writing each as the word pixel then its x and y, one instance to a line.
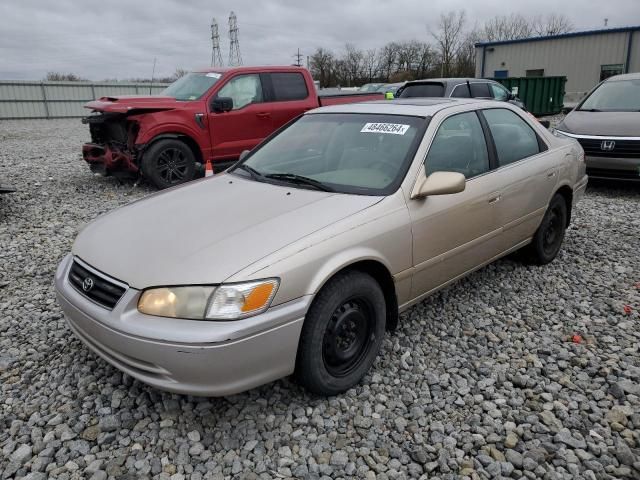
pixel 28 99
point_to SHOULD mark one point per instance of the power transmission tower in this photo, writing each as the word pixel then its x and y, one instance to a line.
pixel 216 53
pixel 298 57
pixel 235 58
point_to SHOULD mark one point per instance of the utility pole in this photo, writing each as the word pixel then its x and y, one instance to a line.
pixel 235 58
pixel 298 56
pixel 216 54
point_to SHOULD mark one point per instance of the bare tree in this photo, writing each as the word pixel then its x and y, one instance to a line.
pixel 353 60
pixel 449 37
pixel 504 27
pixel 552 24
pixel 179 73
pixel 68 77
pixel 387 60
pixel 371 65
pixel 466 58
pixel 321 64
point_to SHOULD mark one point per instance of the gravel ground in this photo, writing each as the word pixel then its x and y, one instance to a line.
pixel 480 381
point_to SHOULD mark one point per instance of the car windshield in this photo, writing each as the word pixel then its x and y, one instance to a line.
pixel 370 87
pixel 614 96
pixel 423 90
pixel 192 86
pixel 366 154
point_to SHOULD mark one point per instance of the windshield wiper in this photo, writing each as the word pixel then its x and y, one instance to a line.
pixel 301 180
pixel 256 175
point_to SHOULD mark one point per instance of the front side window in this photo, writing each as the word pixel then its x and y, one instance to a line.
pixel 614 96
pixel 365 154
pixel 192 86
pixel 243 90
pixel 513 137
pixel 499 92
pixel 288 86
pixel 459 146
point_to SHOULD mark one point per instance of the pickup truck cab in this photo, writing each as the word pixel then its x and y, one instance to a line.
pixel 206 116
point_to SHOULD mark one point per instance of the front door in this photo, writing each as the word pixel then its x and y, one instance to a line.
pixel 247 124
pixel 453 234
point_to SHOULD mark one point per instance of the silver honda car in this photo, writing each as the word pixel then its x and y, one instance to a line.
pixel 300 257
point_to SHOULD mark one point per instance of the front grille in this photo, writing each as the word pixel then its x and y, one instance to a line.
pixel 622 148
pixel 96 287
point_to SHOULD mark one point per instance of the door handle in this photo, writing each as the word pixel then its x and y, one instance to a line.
pixel 551 174
pixel 495 199
pixel 263 115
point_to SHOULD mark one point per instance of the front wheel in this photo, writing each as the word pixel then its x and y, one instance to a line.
pixel 548 238
pixel 168 163
pixel 342 334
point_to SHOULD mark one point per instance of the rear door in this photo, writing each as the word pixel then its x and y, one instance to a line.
pixel 288 96
pixel 455 233
pixel 247 124
pixel 527 171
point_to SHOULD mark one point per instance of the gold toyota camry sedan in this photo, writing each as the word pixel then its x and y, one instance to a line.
pixel 300 257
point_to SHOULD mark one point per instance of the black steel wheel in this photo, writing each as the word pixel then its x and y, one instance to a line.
pixel 342 334
pixel 548 238
pixel 168 162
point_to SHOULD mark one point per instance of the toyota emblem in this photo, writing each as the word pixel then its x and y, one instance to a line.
pixel 87 284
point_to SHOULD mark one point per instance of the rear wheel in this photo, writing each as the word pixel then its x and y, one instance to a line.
pixel 168 162
pixel 342 334
pixel 548 238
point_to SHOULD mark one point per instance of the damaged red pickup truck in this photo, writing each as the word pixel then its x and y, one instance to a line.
pixel 207 115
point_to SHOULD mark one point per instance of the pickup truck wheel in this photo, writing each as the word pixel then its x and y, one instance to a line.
pixel 168 162
pixel 548 238
pixel 342 334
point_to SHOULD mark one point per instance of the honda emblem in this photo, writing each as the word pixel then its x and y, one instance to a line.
pixel 607 145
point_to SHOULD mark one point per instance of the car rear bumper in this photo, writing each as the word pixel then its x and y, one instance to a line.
pixel 613 168
pixel 186 356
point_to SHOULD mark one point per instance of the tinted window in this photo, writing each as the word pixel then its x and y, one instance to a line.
pixel 459 146
pixel 351 153
pixel 513 137
pixel 423 90
pixel 243 90
pixel 461 91
pixel 499 92
pixel 480 90
pixel 288 86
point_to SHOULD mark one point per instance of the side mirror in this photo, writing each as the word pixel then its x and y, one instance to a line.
pixel 439 183
pixel 244 154
pixel 222 104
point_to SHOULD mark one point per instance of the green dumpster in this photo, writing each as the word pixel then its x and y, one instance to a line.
pixel 541 95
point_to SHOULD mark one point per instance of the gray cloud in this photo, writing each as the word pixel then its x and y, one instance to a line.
pixel 120 38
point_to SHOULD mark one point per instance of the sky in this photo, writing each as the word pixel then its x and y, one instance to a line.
pixel 120 38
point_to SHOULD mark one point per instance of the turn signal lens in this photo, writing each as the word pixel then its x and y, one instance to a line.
pixel 240 300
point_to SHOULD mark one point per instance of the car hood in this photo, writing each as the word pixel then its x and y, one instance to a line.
pixel 206 231
pixel 133 103
pixel 615 124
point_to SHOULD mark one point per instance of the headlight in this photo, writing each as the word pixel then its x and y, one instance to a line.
pixel 225 302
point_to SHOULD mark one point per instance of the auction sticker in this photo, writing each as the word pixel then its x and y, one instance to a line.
pixel 392 128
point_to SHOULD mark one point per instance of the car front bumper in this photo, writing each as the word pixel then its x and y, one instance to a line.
pixel 613 168
pixel 186 356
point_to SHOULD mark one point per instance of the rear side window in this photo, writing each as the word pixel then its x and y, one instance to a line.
pixel 459 146
pixel 423 90
pixel 513 137
pixel 480 90
pixel 461 91
pixel 288 86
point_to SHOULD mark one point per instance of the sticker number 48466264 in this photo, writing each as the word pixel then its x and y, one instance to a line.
pixel 392 128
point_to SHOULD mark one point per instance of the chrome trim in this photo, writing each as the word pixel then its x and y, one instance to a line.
pixel 595 137
pixel 98 273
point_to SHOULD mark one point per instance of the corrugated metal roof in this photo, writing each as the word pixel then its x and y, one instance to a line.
pixel 562 35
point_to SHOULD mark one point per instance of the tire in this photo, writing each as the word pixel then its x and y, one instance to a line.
pixel 168 163
pixel 342 334
pixel 548 238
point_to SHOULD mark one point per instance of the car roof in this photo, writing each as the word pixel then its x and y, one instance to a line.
pixel 456 80
pixel 420 107
pixel 252 69
pixel 624 76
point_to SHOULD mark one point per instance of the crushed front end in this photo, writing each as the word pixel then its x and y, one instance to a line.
pixel 112 149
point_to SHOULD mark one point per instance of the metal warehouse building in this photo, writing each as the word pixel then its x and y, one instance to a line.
pixel 584 58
